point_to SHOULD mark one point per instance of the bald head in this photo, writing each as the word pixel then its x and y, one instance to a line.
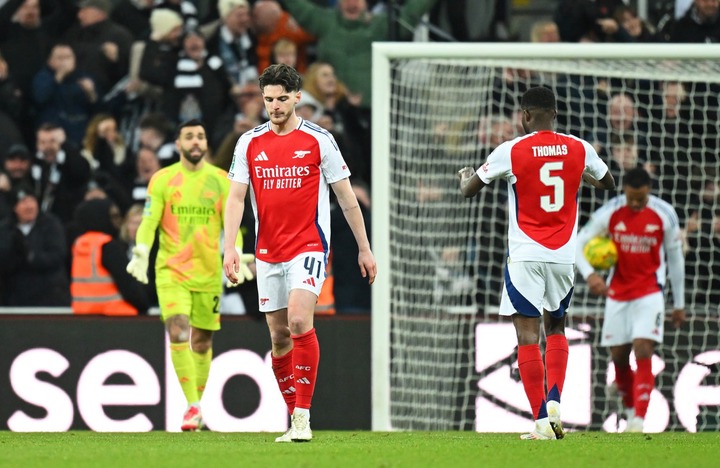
pixel 266 14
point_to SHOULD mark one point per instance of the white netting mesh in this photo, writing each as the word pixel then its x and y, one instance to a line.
pixel 447 253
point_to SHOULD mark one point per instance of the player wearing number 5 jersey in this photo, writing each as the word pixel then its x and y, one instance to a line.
pixel 290 165
pixel 544 170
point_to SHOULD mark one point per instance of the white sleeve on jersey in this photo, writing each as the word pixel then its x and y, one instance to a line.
pixel 239 171
pixel 332 163
pixel 498 164
pixel 673 246
pixel 594 166
pixel 597 225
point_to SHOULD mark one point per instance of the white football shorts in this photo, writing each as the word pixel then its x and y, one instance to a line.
pixel 531 287
pixel 640 318
pixel 276 280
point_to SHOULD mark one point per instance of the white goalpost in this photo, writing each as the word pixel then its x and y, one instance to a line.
pixel 442 358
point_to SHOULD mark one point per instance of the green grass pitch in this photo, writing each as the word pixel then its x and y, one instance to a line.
pixel 356 449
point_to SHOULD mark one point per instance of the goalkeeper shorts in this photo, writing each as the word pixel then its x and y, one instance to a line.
pixel 202 308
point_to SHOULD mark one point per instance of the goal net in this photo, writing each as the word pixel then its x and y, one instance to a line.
pixel 442 358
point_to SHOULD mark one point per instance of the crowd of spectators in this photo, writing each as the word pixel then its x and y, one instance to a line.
pixel 91 92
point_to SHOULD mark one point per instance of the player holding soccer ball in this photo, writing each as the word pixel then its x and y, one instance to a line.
pixel 544 170
pixel 646 232
pixel 601 252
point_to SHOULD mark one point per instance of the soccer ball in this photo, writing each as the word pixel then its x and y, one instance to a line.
pixel 601 252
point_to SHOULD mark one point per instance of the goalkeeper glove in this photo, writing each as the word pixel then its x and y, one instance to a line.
pixel 138 265
pixel 241 270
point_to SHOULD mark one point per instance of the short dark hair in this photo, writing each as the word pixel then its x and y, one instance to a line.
pixel 156 121
pixel 637 178
pixel 189 123
pixel 48 127
pixel 282 75
pixel 538 97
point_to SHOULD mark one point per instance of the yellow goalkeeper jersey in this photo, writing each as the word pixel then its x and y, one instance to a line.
pixel 187 207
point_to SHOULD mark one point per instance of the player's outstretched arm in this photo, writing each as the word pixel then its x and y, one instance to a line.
pixel 351 210
pixel 470 183
pixel 234 208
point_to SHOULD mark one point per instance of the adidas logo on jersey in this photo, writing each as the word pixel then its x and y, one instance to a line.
pixel 303 380
pixel 620 226
pixel 261 157
pixel 310 281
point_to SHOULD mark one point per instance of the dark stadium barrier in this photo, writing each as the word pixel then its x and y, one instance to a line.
pixel 63 372
pixel 60 372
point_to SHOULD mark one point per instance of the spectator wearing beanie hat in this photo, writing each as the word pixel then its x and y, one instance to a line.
pixel 17 164
pixel 233 41
pixel 160 56
pixel 165 22
pixel 185 8
pixel 15 169
pixel 33 255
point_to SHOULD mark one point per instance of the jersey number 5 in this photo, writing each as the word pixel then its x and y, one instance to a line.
pixel 553 203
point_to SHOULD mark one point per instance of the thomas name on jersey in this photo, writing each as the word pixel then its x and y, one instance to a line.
pixel 549 150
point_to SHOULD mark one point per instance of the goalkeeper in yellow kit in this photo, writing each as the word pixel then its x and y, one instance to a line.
pixel 186 202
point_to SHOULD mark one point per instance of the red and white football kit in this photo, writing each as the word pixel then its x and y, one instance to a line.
pixel 289 178
pixel 635 307
pixel 644 240
pixel 544 172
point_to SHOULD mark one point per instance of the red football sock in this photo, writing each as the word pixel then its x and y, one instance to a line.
pixel 624 380
pixel 556 359
pixel 306 356
pixel 644 384
pixel 532 374
pixel 283 369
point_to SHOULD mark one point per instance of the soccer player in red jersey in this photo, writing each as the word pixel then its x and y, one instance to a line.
pixel 646 231
pixel 290 164
pixel 544 170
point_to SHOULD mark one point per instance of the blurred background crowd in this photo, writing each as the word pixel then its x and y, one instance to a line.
pixel 91 92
